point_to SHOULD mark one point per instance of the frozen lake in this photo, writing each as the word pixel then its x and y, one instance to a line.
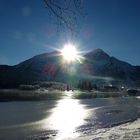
pixel 65 118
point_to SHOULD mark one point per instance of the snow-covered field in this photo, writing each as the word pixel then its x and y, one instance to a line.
pixel 128 131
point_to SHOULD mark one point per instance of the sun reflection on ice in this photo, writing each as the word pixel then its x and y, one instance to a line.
pixel 66 117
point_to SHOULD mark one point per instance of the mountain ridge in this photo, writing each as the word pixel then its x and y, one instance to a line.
pixel 50 67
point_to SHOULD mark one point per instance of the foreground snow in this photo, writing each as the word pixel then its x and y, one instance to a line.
pixel 128 131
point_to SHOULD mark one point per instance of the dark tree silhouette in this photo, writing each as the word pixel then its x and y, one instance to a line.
pixel 66 12
pixel 85 85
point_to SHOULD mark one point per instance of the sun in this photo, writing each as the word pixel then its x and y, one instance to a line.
pixel 69 52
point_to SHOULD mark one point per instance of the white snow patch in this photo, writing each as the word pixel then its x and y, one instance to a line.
pixel 128 131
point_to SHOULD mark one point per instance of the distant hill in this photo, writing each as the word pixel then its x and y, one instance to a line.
pixel 97 66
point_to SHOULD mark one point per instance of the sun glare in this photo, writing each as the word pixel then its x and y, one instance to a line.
pixel 67 116
pixel 69 52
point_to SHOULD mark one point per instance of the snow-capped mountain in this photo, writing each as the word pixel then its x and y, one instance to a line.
pixel 96 66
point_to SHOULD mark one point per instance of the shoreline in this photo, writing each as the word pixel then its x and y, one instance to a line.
pixel 7 95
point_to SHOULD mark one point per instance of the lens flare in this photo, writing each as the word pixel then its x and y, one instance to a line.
pixel 69 52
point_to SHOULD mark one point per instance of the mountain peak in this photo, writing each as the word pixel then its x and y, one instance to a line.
pixel 98 50
pixel 97 54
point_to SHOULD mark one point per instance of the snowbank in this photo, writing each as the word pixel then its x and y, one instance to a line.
pixel 128 131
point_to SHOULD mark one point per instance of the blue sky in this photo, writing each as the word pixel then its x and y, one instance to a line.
pixel 26 29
